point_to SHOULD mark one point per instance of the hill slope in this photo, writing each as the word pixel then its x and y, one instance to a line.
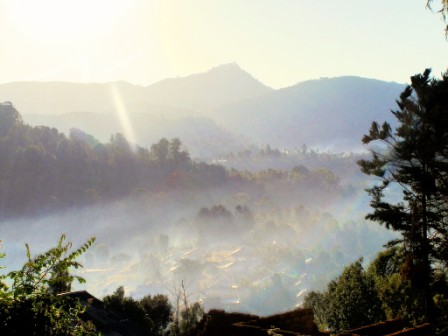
pixel 200 92
pixel 220 86
pixel 330 113
pixel 201 136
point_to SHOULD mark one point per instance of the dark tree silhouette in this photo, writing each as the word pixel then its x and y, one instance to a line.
pixel 414 156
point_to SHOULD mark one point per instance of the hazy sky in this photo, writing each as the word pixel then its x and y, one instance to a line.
pixel 280 42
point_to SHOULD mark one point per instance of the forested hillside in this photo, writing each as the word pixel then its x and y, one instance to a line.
pixel 42 169
pixel 337 108
pixel 185 220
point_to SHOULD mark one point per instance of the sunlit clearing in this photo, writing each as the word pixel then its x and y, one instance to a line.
pixel 122 114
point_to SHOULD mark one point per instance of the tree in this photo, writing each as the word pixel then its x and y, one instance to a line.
pixel 158 308
pixel 186 316
pixel 30 306
pixel 414 157
pixel 160 151
pixel 176 154
pixel 137 321
pixel 9 118
pixel 148 316
pixel 399 299
pixel 350 301
pixel 42 272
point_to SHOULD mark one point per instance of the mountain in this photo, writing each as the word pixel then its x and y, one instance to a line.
pixel 329 113
pixel 220 86
pixel 197 93
pixel 176 107
pixel 55 98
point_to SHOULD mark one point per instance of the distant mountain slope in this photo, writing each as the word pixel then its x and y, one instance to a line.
pixel 330 113
pixel 198 93
pixel 62 97
pixel 222 85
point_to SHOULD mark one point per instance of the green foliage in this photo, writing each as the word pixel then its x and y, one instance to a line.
pixel 399 299
pixel 414 157
pixel 319 303
pixel 45 272
pixel 129 309
pixel 44 170
pixel 359 297
pixel 159 309
pixel 44 314
pixel 149 316
pixel 190 317
pixel 30 305
pixel 9 118
pixel 350 301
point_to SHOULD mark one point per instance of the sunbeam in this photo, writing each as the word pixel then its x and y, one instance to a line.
pixel 123 115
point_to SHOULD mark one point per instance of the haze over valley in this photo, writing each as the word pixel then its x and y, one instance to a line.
pixel 219 111
pixel 236 158
pixel 237 210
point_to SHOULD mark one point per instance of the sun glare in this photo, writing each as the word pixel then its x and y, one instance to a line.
pixel 56 21
pixel 122 114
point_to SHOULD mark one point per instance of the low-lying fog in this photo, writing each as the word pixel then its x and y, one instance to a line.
pixel 232 251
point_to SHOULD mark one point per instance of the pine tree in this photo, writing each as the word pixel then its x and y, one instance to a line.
pixel 414 156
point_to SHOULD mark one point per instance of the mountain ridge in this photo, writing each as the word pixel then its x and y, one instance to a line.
pixel 330 113
pixel 327 113
pixel 227 83
pixel 224 84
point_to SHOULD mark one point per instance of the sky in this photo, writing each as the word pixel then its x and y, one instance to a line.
pixel 279 42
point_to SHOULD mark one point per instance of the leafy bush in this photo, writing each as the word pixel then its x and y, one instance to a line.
pixel 30 305
pixel 148 316
pixel 350 301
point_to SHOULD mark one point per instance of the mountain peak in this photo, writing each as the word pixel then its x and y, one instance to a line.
pixel 227 67
pixel 205 91
pixel 230 72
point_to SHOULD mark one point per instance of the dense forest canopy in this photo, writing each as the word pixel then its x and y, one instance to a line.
pixel 43 169
pixel 183 219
